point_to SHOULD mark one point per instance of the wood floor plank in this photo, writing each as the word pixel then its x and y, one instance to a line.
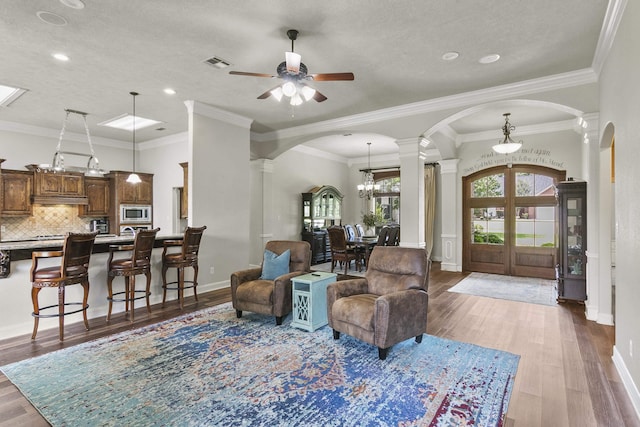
pixel 565 376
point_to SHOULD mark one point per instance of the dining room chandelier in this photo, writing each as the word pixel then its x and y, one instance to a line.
pixel 368 186
pixel 507 145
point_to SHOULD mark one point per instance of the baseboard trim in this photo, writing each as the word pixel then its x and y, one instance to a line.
pixel 627 381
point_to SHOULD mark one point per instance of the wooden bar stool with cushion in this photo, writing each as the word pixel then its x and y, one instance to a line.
pixel 187 257
pixel 73 269
pixel 138 263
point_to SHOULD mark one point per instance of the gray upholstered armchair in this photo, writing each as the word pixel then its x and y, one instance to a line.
pixel 389 304
pixel 272 297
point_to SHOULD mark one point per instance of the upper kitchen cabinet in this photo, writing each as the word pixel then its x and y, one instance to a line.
pixel 97 191
pixel 57 187
pixel 126 193
pixel 16 193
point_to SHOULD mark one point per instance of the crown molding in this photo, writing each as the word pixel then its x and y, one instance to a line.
pixel 543 84
pixel 612 18
pixel 195 107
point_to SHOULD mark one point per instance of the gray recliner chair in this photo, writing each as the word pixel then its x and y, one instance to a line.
pixel 272 297
pixel 389 304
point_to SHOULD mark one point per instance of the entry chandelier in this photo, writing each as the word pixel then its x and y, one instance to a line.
pixel 133 178
pixel 369 186
pixel 57 164
pixel 508 145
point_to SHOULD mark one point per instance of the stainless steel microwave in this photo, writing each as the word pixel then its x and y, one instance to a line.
pixel 135 214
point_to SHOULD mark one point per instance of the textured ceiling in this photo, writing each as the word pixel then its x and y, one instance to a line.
pixel 393 48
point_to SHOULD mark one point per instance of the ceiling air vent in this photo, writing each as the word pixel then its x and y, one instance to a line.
pixel 217 62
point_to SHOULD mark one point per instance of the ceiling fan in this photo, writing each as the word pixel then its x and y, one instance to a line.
pixel 295 75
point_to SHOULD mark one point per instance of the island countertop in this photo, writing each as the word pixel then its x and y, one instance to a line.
pixel 22 249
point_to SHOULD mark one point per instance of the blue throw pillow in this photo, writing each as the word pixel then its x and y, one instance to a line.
pixel 275 265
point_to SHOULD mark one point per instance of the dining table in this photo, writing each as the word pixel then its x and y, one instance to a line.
pixel 364 242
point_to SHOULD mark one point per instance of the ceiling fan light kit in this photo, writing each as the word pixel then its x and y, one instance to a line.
pixel 294 73
pixel 508 145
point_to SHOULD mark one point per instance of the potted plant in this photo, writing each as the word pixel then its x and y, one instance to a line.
pixel 369 221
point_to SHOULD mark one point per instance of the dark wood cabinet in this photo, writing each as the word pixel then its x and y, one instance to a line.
pixel 98 197
pixel 135 194
pixel 16 193
pixel 572 233
pixel 58 184
pixel 321 207
pixel 124 193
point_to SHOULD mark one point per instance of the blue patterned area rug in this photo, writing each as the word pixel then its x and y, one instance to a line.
pixel 209 368
pixel 523 289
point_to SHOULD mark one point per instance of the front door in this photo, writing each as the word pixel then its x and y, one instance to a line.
pixel 510 221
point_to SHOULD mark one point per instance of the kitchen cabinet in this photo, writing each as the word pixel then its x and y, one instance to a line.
pixel 124 193
pixel 135 194
pixel 98 197
pixel 16 193
pixel 58 184
pixel 572 233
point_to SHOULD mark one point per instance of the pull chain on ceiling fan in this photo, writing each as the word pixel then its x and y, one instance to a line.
pixel 295 75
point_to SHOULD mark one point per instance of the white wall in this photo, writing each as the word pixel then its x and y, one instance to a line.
pixel 619 92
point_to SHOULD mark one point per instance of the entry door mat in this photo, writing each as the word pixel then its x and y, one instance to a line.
pixel 523 289
pixel 210 368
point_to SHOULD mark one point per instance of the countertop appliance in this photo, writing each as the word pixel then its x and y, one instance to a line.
pixel 135 214
pixel 99 225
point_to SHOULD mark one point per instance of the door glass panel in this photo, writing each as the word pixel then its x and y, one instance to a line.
pixel 487 225
pixel 531 184
pixel 536 226
pixel 574 236
pixel 488 186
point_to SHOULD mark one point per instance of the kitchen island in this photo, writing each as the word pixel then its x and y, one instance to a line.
pixel 15 290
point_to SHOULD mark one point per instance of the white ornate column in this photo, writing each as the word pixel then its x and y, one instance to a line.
pixel 451 216
pixel 412 155
pixel 262 209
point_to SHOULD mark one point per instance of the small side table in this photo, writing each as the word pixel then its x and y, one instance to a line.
pixel 310 300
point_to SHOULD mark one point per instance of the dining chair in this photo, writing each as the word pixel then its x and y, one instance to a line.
pixel 340 251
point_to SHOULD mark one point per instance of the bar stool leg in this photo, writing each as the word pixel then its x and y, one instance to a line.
pixel 181 286
pixel 36 311
pixel 126 294
pixel 148 290
pixel 131 293
pixel 85 305
pixel 195 281
pixel 164 283
pixel 61 311
pixel 110 297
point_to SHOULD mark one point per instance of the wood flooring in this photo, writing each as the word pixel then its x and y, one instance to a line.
pixel 565 377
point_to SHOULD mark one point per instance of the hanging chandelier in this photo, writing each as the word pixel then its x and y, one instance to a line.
pixel 58 165
pixel 368 186
pixel 508 145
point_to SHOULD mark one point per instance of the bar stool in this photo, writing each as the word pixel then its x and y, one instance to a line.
pixel 138 263
pixel 73 269
pixel 187 257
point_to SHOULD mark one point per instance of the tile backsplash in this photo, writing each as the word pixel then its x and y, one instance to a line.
pixel 46 219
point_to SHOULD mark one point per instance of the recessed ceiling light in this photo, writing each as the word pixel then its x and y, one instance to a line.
pixel 9 94
pixel 51 18
pixel 125 122
pixel 74 4
pixel 450 56
pixel 169 91
pixel 489 58
pixel 60 57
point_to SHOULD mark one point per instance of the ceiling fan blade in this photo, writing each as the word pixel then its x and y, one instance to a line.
pixel 319 97
pixel 243 73
pixel 331 76
pixel 267 93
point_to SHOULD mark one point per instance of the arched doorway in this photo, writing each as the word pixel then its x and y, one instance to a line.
pixel 510 221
